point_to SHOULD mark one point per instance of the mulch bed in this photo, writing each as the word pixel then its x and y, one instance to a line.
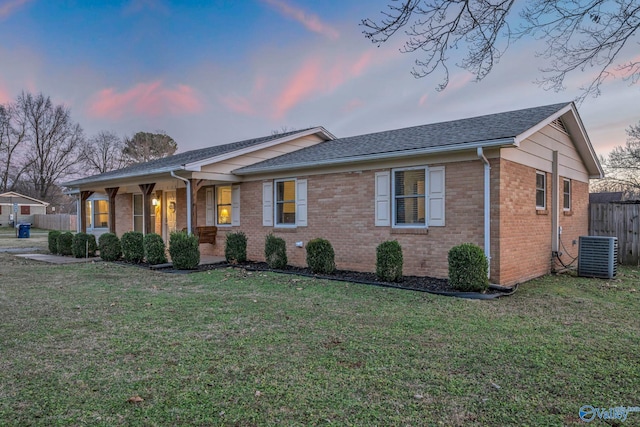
pixel 415 283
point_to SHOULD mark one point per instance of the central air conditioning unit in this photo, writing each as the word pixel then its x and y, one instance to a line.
pixel 598 256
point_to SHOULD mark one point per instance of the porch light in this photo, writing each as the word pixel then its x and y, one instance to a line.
pixel 155 202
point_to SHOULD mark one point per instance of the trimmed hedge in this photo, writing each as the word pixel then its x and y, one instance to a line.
pixel 275 251
pixel 84 245
pixel 320 256
pixel 235 247
pixel 389 261
pixel 65 243
pixel 109 246
pixel 52 240
pixel 154 250
pixel 468 268
pixel 132 246
pixel 184 250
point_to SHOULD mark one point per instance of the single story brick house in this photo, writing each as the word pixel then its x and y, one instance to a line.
pixel 515 183
pixel 26 206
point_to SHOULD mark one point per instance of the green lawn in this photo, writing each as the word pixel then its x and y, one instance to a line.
pixel 228 347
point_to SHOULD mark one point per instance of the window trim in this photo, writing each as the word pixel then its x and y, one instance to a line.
pixel 543 189
pixel 275 203
pixel 564 194
pixel 394 223
pixel 230 204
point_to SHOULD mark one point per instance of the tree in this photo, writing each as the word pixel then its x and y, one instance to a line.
pixel 623 165
pixel 145 146
pixel 52 141
pixel 12 137
pixel 103 152
pixel 579 34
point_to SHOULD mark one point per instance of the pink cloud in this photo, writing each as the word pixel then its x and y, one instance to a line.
pixel 310 22
pixel 145 99
pixel 305 81
pixel 4 95
pixel 8 7
pixel 238 104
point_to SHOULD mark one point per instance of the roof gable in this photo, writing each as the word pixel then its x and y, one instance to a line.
pixel 13 197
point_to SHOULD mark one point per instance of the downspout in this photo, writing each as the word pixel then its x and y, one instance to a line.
pixel 555 202
pixel 188 199
pixel 487 209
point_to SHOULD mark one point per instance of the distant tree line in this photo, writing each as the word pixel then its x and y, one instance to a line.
pixel 42 146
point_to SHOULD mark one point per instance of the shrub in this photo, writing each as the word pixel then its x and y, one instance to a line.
pixel 468 268
pixel 84 244
pixel 132 246
pixel 389 261
pixel 154 249
pixel 184 250
pixel 320 256
pixel 235 247
pixel 275 251
pixel 52 239
pixel 110 248
pixel 65 243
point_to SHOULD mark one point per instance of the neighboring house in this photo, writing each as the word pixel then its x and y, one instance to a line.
pixel 515 183
pixel 17 208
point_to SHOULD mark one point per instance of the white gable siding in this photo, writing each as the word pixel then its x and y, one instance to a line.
pixel 537 152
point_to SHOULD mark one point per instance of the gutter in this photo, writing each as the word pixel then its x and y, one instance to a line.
pixel 487 208
pixel 188 198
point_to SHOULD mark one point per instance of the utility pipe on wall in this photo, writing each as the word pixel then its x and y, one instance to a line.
pixel 487 208
pixel 188 199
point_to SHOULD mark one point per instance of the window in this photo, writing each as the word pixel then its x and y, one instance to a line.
pixel 97 214
pixel 101 214
pixel 409 205
pixel 567 194
pixel 541 190
pixel 137 213
pixel 223 205
pixel 286 202
pixel 286 199
pixel 25 210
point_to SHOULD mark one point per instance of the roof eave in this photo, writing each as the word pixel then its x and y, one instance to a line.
pixel 379 156
pixel 85 181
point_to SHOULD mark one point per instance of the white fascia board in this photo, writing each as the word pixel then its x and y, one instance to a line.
pixel 196 166
pixel 503 142
pixel 120 178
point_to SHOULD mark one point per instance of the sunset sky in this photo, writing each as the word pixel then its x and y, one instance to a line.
pixel 213 72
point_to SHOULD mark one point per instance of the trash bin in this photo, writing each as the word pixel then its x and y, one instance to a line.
pixel 24 231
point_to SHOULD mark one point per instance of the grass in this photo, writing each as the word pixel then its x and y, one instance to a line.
pixel 229 347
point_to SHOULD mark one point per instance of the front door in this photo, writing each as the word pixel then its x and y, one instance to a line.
pixel 170 217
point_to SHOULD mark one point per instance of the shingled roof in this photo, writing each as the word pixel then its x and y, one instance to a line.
pixel 497 129
pixel 178 161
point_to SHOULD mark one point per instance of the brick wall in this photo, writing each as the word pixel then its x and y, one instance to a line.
pixel 341 209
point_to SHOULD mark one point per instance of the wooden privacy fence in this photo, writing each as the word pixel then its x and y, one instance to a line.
pixel 62 222
pixel 621 220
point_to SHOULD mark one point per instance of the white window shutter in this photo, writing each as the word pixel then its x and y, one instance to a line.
pixel 301 202
pixel 436 196
pixel 267 204
pixel 235 205
pixel 210 207
pixel 383 199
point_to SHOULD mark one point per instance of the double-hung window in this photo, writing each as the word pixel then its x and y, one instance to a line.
pixel 541 190
pixel 409 198
pixel 223 204
pixel 566 201
pixel 284 203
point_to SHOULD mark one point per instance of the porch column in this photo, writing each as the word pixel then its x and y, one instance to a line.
pixel 111 192
pixel 84 195
pixel 146 189
pixel 196 185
